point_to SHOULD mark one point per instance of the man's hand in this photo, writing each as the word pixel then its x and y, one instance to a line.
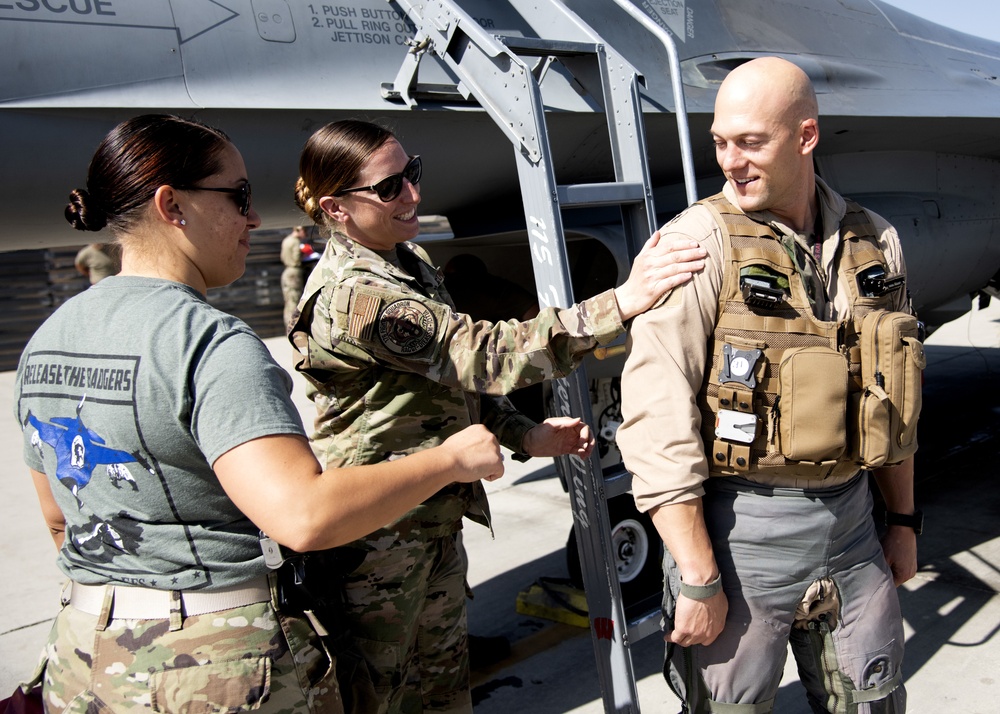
pixel 899 544
pixel 682 528
pixel 698 622
pixel 558 436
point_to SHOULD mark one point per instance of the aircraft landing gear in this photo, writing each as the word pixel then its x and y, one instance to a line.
pixel 638 553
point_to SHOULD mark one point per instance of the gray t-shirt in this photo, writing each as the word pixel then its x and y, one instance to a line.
pixel 127 394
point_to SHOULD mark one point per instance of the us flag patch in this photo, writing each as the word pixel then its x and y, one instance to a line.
pixel 363 314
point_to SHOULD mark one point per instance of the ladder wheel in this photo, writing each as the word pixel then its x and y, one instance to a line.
pixel 630 545
pixel 637 549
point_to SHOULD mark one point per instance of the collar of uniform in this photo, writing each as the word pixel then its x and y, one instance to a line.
pixel 363 254
pixel 831 205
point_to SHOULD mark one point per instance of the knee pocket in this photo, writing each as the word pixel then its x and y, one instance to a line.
pixel 686 682
pixel 879 686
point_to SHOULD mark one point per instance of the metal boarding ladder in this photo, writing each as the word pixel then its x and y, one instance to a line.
pixel 491 70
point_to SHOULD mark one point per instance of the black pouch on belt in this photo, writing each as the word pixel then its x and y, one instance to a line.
pixel 311 585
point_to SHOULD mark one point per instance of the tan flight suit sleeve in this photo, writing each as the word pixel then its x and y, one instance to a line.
pixel 667 352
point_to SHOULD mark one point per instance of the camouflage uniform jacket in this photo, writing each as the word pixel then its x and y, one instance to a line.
pixel 392 368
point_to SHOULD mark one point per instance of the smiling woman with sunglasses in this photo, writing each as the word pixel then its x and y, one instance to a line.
pixel 163 443
pixel 390 187
pixel 393 369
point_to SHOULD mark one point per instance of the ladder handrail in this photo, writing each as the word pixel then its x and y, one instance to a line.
pixel 452 25
pixel 449 30
pixel 677 86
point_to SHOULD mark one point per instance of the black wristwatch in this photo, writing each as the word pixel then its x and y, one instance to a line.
pixel 916 521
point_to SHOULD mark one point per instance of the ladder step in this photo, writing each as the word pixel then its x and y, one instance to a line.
pixel 643 618
pixel 427 92
pixel 617 481
pixel 582 195
pixel 535 47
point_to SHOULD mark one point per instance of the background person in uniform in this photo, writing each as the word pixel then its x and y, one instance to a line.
pixel 393 369
pixel 158 460
pixel 96 261
pixel 780 543
pixel 296 253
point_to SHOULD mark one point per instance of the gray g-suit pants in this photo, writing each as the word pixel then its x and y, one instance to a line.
pixel 771 546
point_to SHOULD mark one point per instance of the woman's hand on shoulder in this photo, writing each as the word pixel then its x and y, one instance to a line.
pixel 476 453
pixel 659 268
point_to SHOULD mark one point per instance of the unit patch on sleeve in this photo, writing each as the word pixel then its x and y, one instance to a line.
pixel 406 326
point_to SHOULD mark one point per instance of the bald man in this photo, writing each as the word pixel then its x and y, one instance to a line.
pixel 741 397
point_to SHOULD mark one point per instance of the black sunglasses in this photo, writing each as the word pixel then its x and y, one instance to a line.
pixel 241 195
pixel 390 187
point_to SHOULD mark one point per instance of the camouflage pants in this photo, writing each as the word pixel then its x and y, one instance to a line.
pixel 242 659
pixel 406 610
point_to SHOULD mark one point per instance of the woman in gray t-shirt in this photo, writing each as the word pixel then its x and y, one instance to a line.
pixel 163 445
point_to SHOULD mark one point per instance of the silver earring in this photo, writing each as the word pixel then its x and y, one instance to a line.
pixel 183 222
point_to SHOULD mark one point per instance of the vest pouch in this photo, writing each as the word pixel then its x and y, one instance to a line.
pixel 892 358
pixel 812 394
pixel 873 427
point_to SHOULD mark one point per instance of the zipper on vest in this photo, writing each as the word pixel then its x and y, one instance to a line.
pixel 863 428
pixel 772 423
pixel 879 377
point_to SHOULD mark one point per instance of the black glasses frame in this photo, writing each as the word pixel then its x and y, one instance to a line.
pixel 391 186
pixel 242 195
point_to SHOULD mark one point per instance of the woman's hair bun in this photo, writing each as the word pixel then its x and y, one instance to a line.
pixel 82 213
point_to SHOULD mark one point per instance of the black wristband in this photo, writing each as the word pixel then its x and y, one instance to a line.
pixel 916 521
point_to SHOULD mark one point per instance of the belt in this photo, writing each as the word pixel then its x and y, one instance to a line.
pixel 134 603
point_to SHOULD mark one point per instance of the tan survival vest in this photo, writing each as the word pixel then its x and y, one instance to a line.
pixel 792 395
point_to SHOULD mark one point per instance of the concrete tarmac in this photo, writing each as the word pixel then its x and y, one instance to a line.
pixel 951 608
